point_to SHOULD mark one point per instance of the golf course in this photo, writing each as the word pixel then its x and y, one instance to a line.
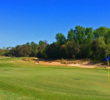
pixel 22 80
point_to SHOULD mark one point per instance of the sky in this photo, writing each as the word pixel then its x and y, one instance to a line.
pixel 23 21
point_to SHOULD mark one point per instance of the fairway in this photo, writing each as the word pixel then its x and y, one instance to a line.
pixel 20 80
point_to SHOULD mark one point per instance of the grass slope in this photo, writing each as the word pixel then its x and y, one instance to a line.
pixel 27 81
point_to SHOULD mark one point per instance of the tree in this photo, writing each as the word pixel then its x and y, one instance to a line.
pixel 41 48
pixel 80 35
pixel 52 51
pixel 17 51
pixel 60 38
pixel 101 31
pixel 99 49
pixel 107 41
pixel 34 47
pixel 2 52
pixel 71 35
pixel 107 37
pixel 89 35
pixel 86 46
pixel 21 51
pixel 72 49
pixel 26 50
pixel 5 51
pixel 80 43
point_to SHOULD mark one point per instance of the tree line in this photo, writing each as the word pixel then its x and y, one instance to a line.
pixel 80 43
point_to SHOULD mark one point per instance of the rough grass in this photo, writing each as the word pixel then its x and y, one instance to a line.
pixel 21 80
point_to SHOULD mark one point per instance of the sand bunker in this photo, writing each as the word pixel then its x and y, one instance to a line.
pixel 69 63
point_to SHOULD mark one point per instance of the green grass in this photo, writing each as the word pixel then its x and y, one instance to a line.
pixel 27 81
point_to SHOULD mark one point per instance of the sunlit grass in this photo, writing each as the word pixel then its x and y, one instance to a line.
pixel 21 80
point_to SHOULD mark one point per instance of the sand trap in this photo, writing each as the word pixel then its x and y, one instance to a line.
pixel 76 63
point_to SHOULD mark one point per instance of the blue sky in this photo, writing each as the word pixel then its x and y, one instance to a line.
pixel 23 21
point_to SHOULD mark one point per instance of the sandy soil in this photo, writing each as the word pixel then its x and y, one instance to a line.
pixel 76 63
